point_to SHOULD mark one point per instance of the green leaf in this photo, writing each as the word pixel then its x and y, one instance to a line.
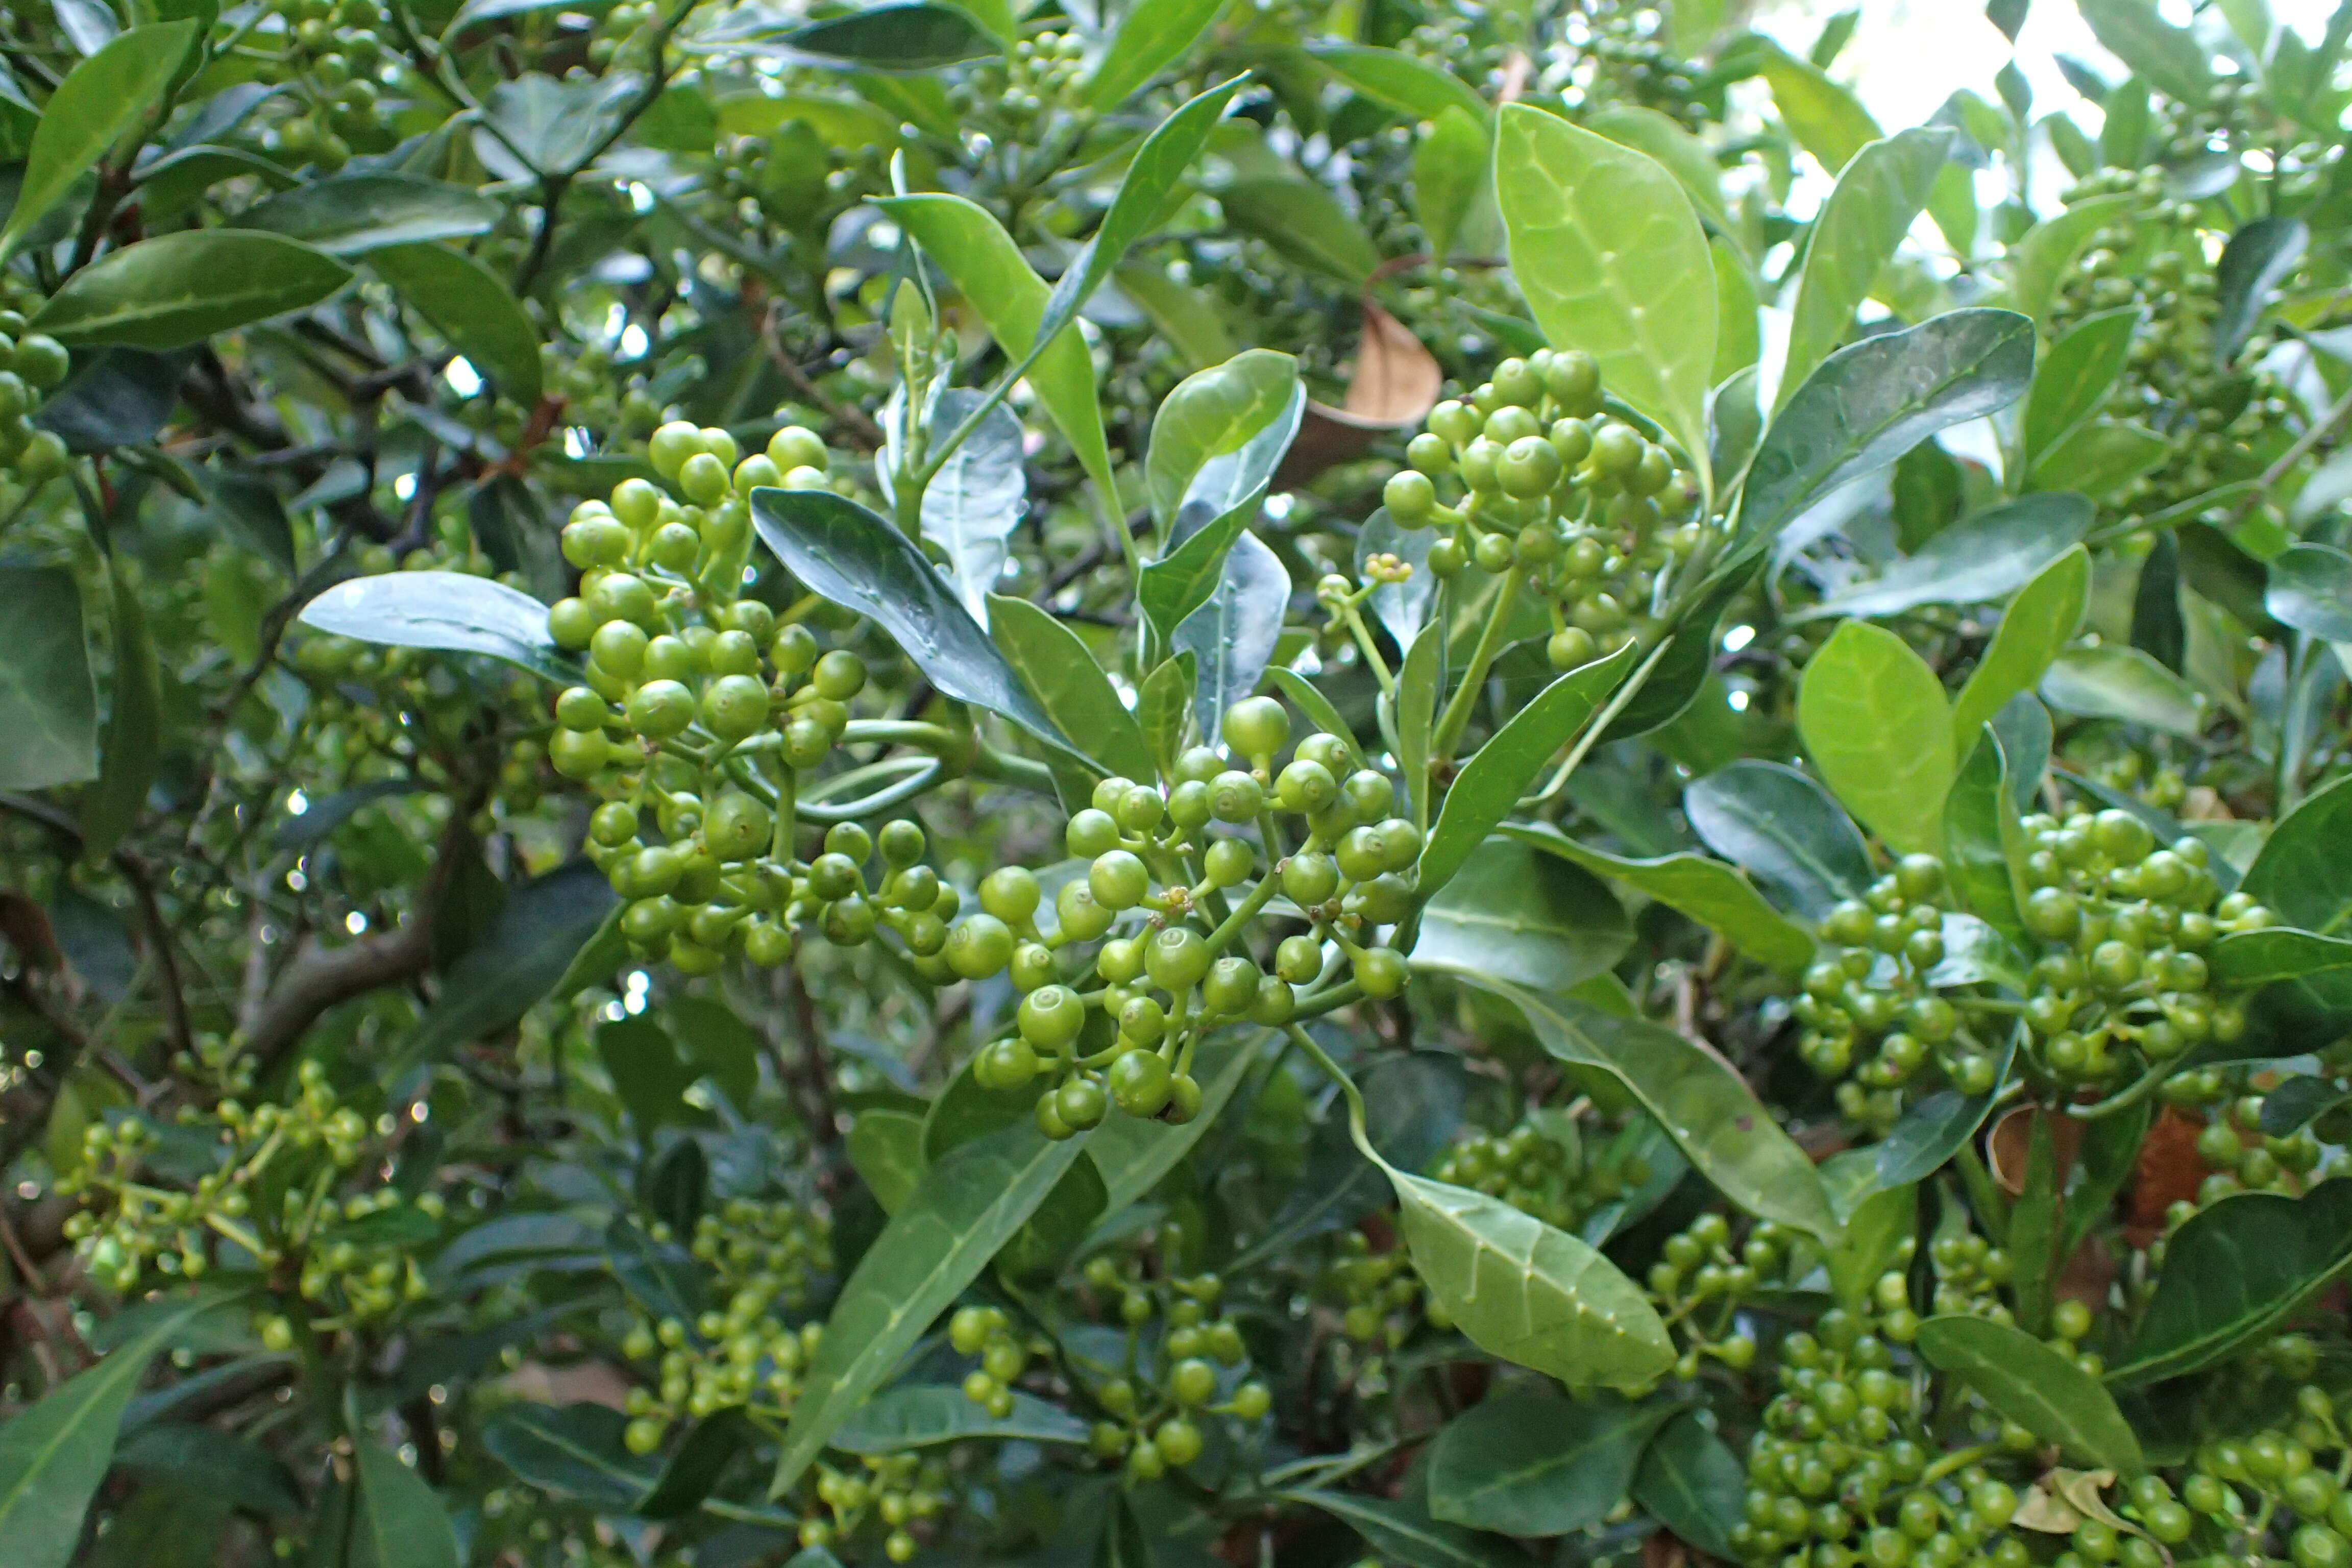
pixel 2304 875
pixel 1533 1467
pixel 1878 1220
pixel 1212 414
pixel 470 308
pixel 1413 1102
pixel 454 612
pixel 2074 377
pixel 966 242
pixel 132 729
pixel 54 1455
pixel 97 104
pixel 1189 318
pixel 1935 1130
pixel 1706 1107
pixel 696 1465
pixel 2232 1273
pixel 975 500
pixel 2309 587
pixel 180 288
pixel 1611 260
pixel 2034 1384
pixel 2276 952
pixel 1133 1154
pixel 2298 1102
pixel 1976 561
pixel 216 1464
pixel 1871 402
pixel 886 1147
pixel 1676 150
pixel 844 553
pixel 1877 194
pixel 1690 1481
pixel 351 214
pixel 1163 702
pixel 2259 258
pixel 1151 39
pixel 1827 120
pixel 968 1205
pixel 571 1450
pixel 1415 711
pixel 1492 781
pixel 1785 830
pixel 1874 720
pixel 1303 222
pixel 1512 915
pixel 2169 58
pixel 899 37
pixel 2039 621
pixel 1406 83
pixel 168 1525
pixel 918 1416
pixel 1227 492
pixel 2110 681
pixel 2042 259
pixel 1317 708
pixel 1738 343
pixel 1710 892
pixel 1232 634
pixel 1060 670
pixel 398 1522
pixel 1519 1290
pixel 1984 840
pixel 48 706
pixel 1449 170
pixel 525 954
pixel 1401 1531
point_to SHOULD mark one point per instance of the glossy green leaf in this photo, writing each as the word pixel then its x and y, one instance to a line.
pixel 1874 721
pixel 235 1468
pixel 1976 561
pixel 472 308
pixel 2298 1102
pixel 454 612
pixel 1714 1118
pixel 1878 192
pixel 1783 828
pixel 571 1450
pixel 919 1415
pixel 2168 57
pixel 1164 702
pixel 1218 502
pixel 1690 1481
pixel 976 499
pixel 1708 891
pixel 1213 414
pixel 133 728
pixel 1303 222
pixel 844 554
pixel 1876 1220
pixel 1402 1531
pixel 49 705
pixel 2074 377
pixel 1318 709
pixel 1983 841
pixel 93 109
pixel 897 36
pixel 1738 343
pixel 1676 150
pixel 886 1149
pixel 397 1521
pixel 2111 681
pixel 1513 914
pixel 1413 1104
pixel 2259 258
pixel 1827 120
pixel 2304 875
pixel 351 214
pixel 1060 670
pixel 1048 1239
pixel 1519 1290
pixel 1415 716
pixel 1531 1466
pixel 1232 634
pixel 1406 83
pixel 2276 952
pixel 2037 1386
pixel 1490 783
pixel 526 951
pixel 2232 1273
pixel 1449 174
pixel 1936 1128
pixel 967 1206
pixel 180 288
pixel 1611 260
pixel 1871 402
pixel 972 248
pixel 2309 587
pixel 54 1453
pixel 1151 39
pixel 2040 621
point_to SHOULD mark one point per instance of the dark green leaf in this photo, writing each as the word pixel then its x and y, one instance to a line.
pixel 2168 58
pixel 1869 211
pixel 351 214
pixel 845 553
pixel 1150 39
pixel 1413 1104
pixel 48 709
pixel 1871 402
pixel 2259 258
pixel 886 1149
pixel 133 728
pixel 1827 120
pixel 1783 828
pixel 1492 781
pixel 647 1073
pixel 1051 1233
pixel 2300 1101
pixel 2158 627
pixel 1513 914
pixel 167 1525
pixel 1231 635
pixel 1134 1153
pixel 2074 377
pixel 1878 1221
pixel 898 36
pixel 2035 1385
pixel 571 1450
pixel 1935 1129
pixel 451 610
pixel 1690 1481
pixel 695 1466
pixel 180 288
pixel 97 103
pixel 1708 891
pixel 472 308
pixel 2276 952
pixel 527 949
pixel 1402 1531
pixel 1874 718
pixel 1975 561
pixel 1122 1542
pixel 2310 589
pixel 967 1206
pixel 398 1522
pixel 917 1415
pixel 1983 841
pixel 1305 224
pixel 1537 1467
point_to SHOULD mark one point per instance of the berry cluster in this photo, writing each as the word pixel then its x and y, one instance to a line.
pixel 1539 1173
pixel 1150 1413
pixel 1700 1284
pixel 1379 1295
pixel 2261 1497
pixel 331 51
pixel 1869 995
pixel 2246 1160
pixel 764 1259
pixel 1039 76
pixel 1584 508
pixel 31 364
pixel 895 1492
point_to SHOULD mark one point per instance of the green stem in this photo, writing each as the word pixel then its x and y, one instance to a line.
pixel 2147 1083
pixel 1306 1041
pixel 1599 726
pixel 1958 1460
pixel 1231 927
pixel 1372 659
pixel 1466 697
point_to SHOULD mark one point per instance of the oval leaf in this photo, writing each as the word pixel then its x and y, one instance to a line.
pixel 1874 718
pixel 180 288
pixel 452 611
pixel 2232 1273
pixel 352 214
pixel 1537 1467
pixel 468 305
pixel 1783 829
pixel 2035 1385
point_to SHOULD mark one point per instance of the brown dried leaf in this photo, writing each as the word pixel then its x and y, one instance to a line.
pixel 2169 1170
pixel 1396 380
pixel 2011 1138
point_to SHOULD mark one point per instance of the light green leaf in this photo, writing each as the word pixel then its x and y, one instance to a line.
pixel 1150 38
pixel 2168 57
pixel 1133 1154
pixel 1611 260
pixel 1058 667
pixel 97 104
pixel 1213 414
pixel 1864 219
pixel 919 1415
pixel 2111 681
pixel 1511 914
pixel 49 704
pixel 2040 621
pixel 1739 334
pixel 1450 170
pixel 2074 377
pixel 2037 1386
pixel 1873 717
pixel 1676 151
pixel 886 1149
pixel 452 611
pixel 1189 318
pixel 180 288
pixel 472 308
pixel 1710 892
pixel 2041 260
pixel 1403 82
pixel 2099 457
pixel 1828 121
